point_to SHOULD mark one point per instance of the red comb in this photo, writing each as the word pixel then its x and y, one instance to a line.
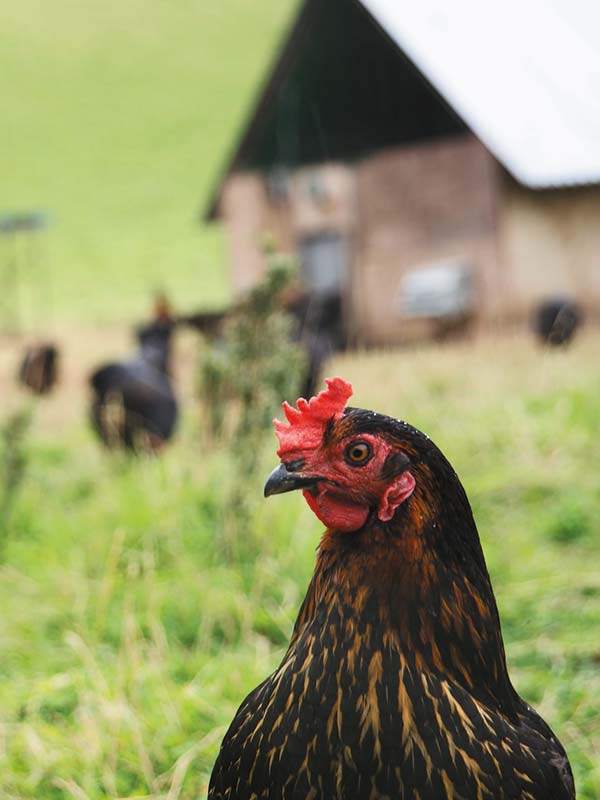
pixel 307 423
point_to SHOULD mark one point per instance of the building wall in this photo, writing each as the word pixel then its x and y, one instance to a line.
pixel 410 207
pixel 418 206
pixel 323 199
pixel 255 220
pixel 279 211
pixel 397 210
pixel 549 244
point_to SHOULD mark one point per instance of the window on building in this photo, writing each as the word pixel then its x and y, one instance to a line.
pixel 324 263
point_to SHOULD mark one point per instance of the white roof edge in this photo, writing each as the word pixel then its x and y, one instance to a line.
pixel 521 77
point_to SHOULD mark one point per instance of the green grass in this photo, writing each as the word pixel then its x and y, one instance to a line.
pixel 130 635
pixel 117 118
pixel 135 614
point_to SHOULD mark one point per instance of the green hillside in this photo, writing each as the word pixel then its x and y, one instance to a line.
pixel 116 119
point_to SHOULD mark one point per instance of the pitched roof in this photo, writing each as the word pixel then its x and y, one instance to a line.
pixel 523 76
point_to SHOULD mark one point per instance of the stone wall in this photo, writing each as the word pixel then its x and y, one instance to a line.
pixel 549 244
pixel 419 206
pixel 406 208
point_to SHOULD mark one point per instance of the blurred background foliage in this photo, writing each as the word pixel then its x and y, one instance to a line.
pixel 143 598
pixel 242 377
pixel 255 362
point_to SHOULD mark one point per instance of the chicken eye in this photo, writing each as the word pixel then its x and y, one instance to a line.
pixel 357 453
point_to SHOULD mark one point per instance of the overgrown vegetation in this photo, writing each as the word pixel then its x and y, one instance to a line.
pixel 243 378
pixel 13 464
pixel 129 638
pixel 256 362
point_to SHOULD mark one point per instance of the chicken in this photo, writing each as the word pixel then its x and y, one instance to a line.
pixel 395 682
pixel 557 320
pixel 38 370
pixel 133 404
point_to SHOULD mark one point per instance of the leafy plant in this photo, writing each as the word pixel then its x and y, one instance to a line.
pixel 13 465
pixel 244 377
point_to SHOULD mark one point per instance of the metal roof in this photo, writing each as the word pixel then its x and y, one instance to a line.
pixel 523 74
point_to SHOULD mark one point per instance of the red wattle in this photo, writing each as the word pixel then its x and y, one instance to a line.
pixel 337 512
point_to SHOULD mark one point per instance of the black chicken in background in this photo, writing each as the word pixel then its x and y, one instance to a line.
pixel 556 321
pixel 134 404
pixel 38 371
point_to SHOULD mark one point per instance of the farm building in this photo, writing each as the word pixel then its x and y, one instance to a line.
pixel 402 148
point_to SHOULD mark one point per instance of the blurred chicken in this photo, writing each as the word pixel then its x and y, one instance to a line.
pixel 38 370
pixel 395 682
pixel 134 405
pixel 556 321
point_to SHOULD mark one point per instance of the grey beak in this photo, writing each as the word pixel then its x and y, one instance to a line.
pixel 281 480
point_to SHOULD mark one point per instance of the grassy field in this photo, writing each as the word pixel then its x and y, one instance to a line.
pixel 136 613
pixel 136 610
pixel 117 118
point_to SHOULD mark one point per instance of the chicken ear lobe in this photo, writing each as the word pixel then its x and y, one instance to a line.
pixel 395 494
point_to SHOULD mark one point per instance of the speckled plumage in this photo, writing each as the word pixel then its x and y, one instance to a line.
pixel 395 682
